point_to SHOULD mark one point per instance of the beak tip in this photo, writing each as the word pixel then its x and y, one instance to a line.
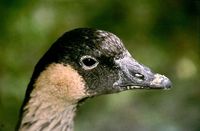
pixel 167 84
pixel 161 81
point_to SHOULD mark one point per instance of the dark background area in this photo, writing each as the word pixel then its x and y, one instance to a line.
pixel 163 35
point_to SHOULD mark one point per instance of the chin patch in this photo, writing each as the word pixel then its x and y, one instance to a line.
pixel 60 81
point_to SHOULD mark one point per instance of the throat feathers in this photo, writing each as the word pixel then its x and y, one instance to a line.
pixel 53 101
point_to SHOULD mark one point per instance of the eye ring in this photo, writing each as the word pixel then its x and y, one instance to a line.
pixel 88 62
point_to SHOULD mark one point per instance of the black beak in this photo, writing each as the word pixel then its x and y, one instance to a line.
pixel 133 75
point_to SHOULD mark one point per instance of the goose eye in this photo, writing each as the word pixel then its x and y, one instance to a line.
pixel 88 62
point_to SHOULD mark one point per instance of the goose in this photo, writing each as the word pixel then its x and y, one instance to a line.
pixel 82 63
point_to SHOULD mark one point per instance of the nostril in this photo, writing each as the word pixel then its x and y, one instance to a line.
pixel 139 76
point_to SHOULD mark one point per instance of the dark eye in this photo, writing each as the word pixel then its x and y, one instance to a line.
pixel 88 62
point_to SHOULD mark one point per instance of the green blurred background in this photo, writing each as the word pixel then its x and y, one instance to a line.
pixel 164 35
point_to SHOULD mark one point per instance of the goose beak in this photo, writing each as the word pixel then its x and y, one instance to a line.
pixel 133 75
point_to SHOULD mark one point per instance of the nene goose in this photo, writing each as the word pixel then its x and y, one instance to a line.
pixel 82 63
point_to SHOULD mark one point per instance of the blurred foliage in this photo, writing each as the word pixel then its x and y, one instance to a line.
pixel 163 35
